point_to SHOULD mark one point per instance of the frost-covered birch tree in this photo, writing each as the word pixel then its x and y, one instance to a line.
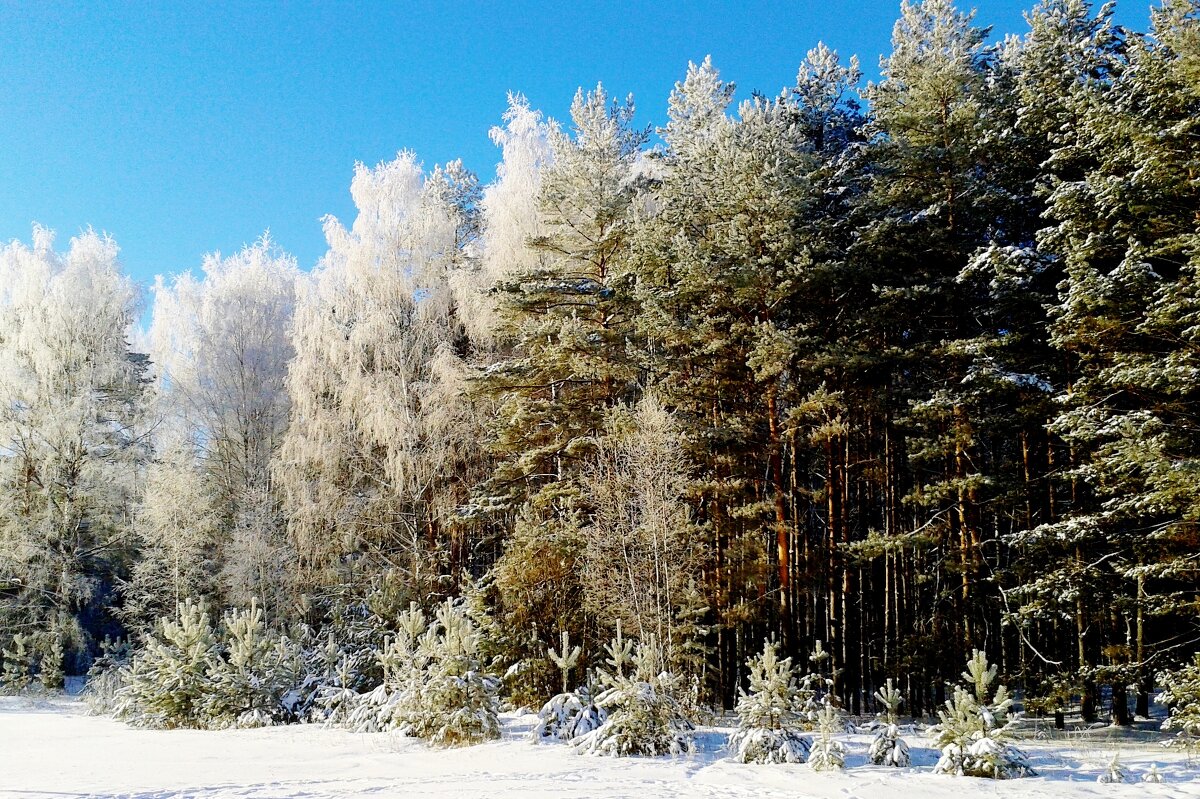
pixel 373 457
pixel 70 396
pixel 220 346
pixel 642 548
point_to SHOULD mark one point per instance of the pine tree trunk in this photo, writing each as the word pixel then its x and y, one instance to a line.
pixel 783 544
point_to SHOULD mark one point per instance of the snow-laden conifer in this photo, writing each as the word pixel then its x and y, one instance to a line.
pixel 644 716
pixel 769 724
pixel 460 697
pixel 107 676
pixel 399 701
pixel 828 753
pixel 248 684
pixel 1114 772
pixel 1181 694
pixel 568 714
pixel 888 748
pixel 17 673
pixel 169 680
pixel 975 733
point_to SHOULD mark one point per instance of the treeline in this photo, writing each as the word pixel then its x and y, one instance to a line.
pixel 894 380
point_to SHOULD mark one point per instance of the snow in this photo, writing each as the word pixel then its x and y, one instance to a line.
pixel 50 748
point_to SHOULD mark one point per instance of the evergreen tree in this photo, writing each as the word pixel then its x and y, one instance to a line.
pixel 460 697
pixel 769 729
pixel 643 715
pixel 248 684
pixel 1181 694
pixel 169 679
pixel 1127 240
pixel 828 754
pixel 975 732
pixel 888 748
pixel 18 665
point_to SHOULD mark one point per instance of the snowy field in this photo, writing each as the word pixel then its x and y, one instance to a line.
pixel 49 749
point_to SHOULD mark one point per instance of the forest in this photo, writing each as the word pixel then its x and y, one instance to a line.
pixel 882 377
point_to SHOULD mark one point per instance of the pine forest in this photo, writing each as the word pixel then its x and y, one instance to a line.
pixel 792 405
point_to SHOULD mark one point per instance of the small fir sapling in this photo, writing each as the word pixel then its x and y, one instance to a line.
pixel 106 677
pixel 815 687
pixel 461 704
pixel 769 724
pixel 566 659
pixel 975 732
pixel 620 652
pixel 248 684
pixel 828 754
pixel 1114 772
pixel 888 748
pixel 398 702
pixel 1153 775
pixel 50 659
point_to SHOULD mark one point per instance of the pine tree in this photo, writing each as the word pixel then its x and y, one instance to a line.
pixel 1181 694
pixel 1126 234
pixel 888 748
pixel 643 716
pixel 169 679
pixel 106 677
pixel 723 279
pixel 769 725
pixel 18 665
pixel 974 733
pixel 461 702
pixel 566 659
pixel 1114 772
pixel 828 754
pixel 248 683
pixel 567 314
pixel 1070 54
pixel 569 714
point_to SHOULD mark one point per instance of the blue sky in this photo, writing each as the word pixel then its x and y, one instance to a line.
pixel 187 127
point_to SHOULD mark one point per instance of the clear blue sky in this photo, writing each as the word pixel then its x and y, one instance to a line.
pixel 187 127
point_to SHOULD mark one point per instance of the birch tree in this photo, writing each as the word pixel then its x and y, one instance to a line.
pixel 70 397
pixel 370 464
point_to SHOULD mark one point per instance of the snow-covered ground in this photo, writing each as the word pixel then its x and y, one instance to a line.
pixel 49 749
